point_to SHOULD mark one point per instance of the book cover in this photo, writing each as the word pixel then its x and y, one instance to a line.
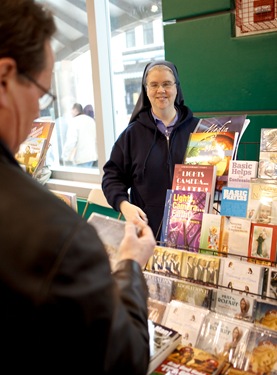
pixel 262 201
pixel 265 314
pixel 234 201
pixel 268 139
pixel 42 129
pixel 30 154
pixel 185 319
pixel 210 234
pixel 267 164
pixel 234 236
pixel 241 172
pixel 212 148
pixel 69 198
pixel 187 360
pixel 263 242
pixel 191 293
pixel 156 310
pixel 195 178
pixel 268 154
pixel 165 261
pixel 236 123
pixel 260 356
pixel 271 289
pixel 111 231
pixel 162 341
pixel 159 287
pixel 232 304
pixel 182 218
pixel 224 336
pixel 242 276
pixel 201 268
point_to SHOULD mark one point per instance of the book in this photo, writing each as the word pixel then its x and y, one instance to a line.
pixel 210 234
pixel 262 244
pixel 111 231
pixel 234 236
pixel 191 293
pixel 69 198
pixel 239 275
pixel 156 310
pixel 235 123
pixel 30 154
pixel 268 154
pixel 267 164
pixel 159 287
pixel 162 341
pixel 265 314
pixel 44 130
pixel 185 319
pixel 212 148
pixel 234 201
pixel 260 354
pixel 201 268
pixel 187 360
pixel 271 284
pixel 223 336
pixel 195 178
pixel 165 261
pixel 262 201
pixel 182 218
pixel 240 173
pixel 232 304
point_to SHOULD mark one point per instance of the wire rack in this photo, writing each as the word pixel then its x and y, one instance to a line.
pixel 255 16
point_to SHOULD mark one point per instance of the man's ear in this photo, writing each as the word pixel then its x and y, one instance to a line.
pixel 7 71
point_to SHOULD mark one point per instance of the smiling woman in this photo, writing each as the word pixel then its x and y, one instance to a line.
pixel 84 71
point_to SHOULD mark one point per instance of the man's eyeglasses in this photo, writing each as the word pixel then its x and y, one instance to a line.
pixel 165 85
pixel 46 99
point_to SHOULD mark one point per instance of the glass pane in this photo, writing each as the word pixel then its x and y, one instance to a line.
pixel 136 39
pixel 72 83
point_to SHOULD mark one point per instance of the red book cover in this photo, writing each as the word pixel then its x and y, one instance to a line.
pixel 195 178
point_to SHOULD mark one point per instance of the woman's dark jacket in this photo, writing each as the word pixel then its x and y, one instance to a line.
pixel 62 311
pixel 142 160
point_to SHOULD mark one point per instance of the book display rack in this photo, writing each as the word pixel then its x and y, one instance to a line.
pixel 229 290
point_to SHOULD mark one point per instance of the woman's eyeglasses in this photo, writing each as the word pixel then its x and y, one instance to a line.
pixel 165 85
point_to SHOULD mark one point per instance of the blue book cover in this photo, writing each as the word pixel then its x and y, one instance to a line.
pixel 234 201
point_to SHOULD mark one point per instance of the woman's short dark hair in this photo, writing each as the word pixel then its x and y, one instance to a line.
pixel 23 34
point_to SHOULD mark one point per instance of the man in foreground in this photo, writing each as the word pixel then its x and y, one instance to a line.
pixel 62 310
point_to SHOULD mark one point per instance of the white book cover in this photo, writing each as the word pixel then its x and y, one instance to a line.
pixel 233 304
pixel 242 276
pixel 271 290
pixel 185 319
pixel 241 172
pixel 210 233
pixel 234 235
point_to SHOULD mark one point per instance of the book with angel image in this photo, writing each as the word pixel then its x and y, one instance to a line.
pixel 265 314
pixel 224 336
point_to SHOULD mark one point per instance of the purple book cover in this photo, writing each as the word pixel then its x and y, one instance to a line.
pixel 183 218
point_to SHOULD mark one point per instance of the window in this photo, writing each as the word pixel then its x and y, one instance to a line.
pixel 101 50
pixel 130 38
pixel 148 36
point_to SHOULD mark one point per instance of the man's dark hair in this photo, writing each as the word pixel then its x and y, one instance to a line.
pixel 25 26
